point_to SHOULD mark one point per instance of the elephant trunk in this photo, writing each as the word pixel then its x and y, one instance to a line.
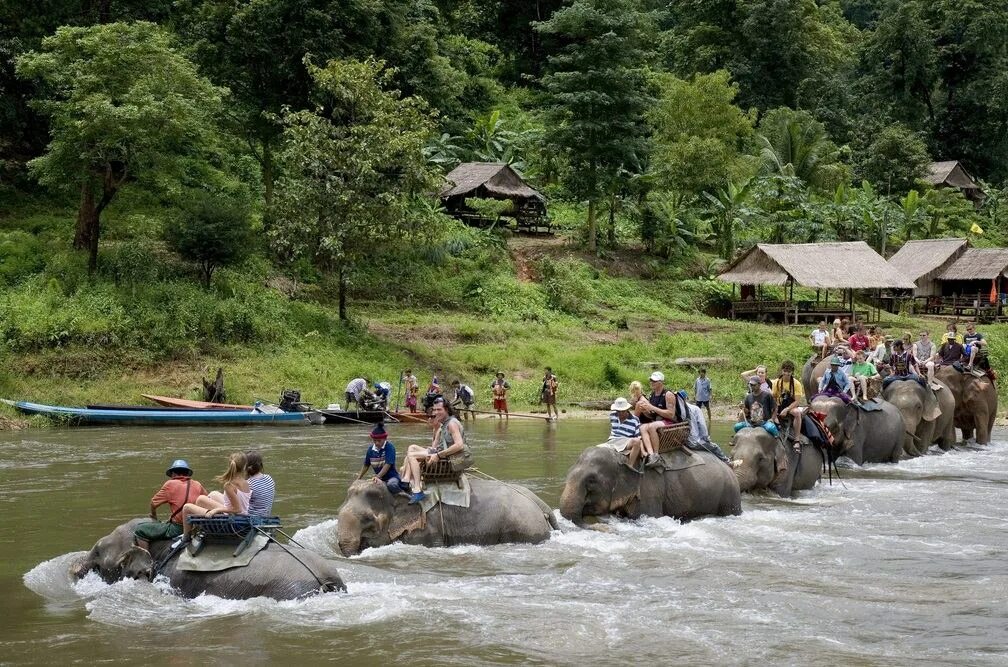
pixel 745 475
pixel 572 504
pixel 348 535
pixel 79 568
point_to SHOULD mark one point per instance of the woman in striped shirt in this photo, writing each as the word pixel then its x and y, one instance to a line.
pixel 624 431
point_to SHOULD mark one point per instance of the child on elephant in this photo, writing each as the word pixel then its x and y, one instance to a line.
pixel 234 499
pixel 862 372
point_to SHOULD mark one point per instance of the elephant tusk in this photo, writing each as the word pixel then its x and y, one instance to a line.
pixel 913 435
pixel 737 463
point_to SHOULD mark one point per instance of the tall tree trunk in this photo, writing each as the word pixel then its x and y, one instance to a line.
pixel 592 227
pixel 86 216
pixel 342 294
pixel 611 232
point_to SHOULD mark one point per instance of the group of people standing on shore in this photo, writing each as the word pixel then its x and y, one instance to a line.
pixel 462 397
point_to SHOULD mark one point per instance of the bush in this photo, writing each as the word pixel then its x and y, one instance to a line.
pixel 20 256
pixel 567 284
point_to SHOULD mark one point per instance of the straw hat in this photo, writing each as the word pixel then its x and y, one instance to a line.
pixel 620 405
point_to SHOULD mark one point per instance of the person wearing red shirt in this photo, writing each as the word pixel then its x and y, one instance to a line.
pixel 858 340
pixel 176 492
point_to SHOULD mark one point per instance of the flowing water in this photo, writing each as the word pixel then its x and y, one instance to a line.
pixel 898 565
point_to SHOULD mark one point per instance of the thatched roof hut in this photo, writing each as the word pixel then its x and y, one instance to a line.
pixel 488 180
pixel 833 265
pixel 951 174
pixel 978 264
pixel 922 261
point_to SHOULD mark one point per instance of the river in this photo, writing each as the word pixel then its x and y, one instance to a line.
pixel 898 564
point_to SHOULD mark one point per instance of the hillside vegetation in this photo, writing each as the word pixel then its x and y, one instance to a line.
pixel 251 185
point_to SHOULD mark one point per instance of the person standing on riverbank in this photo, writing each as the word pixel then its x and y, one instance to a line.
pixel 499 389
pixel 464 399
pixel 702 392
pixel 179 490
pixel 261 485
pixel 549 390
pixel 412 389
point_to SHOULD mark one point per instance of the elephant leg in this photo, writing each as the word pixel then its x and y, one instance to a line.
pixel 983 429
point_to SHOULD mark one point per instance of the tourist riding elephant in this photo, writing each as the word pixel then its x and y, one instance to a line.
pixel 601 483
pixel 976 402
pixel 498 512
pixel 763 462
pixel 283 573
pixel 863 436
pixel 927 414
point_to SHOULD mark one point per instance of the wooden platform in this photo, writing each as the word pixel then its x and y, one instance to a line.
pixel 439 473
pixel 792 311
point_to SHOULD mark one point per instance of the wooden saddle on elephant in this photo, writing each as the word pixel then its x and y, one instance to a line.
pixel 673 437
pixel 440 473
pixel 237 529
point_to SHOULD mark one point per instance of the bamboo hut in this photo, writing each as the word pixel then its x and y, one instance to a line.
pixel 973 286
pixel 840 266
pixel 951 174
pixel 494 180
pixel 922 261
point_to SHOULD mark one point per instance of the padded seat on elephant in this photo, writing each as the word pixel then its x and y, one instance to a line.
pixel 673 437
pixel 237 529
pixel 439 473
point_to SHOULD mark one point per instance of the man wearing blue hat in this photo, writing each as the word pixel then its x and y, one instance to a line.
pixel 180 489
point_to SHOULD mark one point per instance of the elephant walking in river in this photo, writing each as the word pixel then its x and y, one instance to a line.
pixel 863 436
pixel 282 573
pixel 927 414
pixel 976 402
pixel 764 462
pixel 600 483
pixel 498 512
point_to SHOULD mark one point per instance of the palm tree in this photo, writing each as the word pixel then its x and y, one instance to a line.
pixel 797 149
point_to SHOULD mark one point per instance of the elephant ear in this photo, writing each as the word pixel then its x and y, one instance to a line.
pixel 405 518
pixel 848 427
pixel 932 410
pixel 136 560
pixel 780 462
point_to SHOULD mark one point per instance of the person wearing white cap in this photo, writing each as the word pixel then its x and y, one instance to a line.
pixel 624 431
pixel 656 413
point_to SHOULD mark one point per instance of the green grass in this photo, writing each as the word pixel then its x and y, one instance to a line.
pixel 144 326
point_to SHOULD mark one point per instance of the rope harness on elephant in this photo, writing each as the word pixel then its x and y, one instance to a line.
pixel 521 490
pixel 325 586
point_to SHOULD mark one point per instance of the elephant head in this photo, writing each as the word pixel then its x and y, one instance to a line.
pixel 114 557
pixel 758 458
pixel 599 483
pixel 372 517
pixel 919 408
pixel 842 420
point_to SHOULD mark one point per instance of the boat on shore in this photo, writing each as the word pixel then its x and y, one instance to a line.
pixel 157 417
pixel 170 402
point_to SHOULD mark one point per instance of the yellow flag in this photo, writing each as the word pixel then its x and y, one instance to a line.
pixel 976 229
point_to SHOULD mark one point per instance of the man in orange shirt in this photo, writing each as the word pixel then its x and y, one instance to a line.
pixel 177 491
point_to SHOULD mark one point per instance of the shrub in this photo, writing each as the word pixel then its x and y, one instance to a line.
pixel 20 256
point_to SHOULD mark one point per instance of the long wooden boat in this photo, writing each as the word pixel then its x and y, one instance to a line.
pixel 170 402
pixel 88 417
pixel 337 417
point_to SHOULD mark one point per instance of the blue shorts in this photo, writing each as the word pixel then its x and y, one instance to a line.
pixel 768 426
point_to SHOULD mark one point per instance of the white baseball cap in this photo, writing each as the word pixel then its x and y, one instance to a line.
pixel 657 376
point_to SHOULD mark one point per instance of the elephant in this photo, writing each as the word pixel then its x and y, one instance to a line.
pixel 600 483
pixel 812 372
pixel 862 436
pixel 976 402
pixel 927 414
pixel 498 512
pixel 764 462
pixel 281 573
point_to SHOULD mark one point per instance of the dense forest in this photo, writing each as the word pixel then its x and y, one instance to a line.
pixel 204 145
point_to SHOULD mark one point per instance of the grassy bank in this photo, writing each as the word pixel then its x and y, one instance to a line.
pixel 476 305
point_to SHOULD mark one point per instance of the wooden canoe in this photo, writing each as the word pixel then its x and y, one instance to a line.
pixel 170 402
pixel 85 417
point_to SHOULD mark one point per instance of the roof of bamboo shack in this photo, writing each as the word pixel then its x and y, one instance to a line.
pixel 977 264
pixel 473 179
pixel 833 265
pixel 919 258
pixel 952 173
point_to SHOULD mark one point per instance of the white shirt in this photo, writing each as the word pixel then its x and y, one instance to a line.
pixel 697 426
pixel 356 386
pixel 819 337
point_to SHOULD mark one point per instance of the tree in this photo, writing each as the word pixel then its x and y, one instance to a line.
pixel 212 231
pixel 124 107
pixel 699 134
pixel 728 213
pixel 597 94
pixel 895 159
pixel 793 144
pixel 353 170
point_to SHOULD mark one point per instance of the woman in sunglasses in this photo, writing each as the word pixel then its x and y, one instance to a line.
pixel 448 444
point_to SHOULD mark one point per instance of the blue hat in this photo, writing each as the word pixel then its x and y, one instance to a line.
pixel 179 465
pixel 682 394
